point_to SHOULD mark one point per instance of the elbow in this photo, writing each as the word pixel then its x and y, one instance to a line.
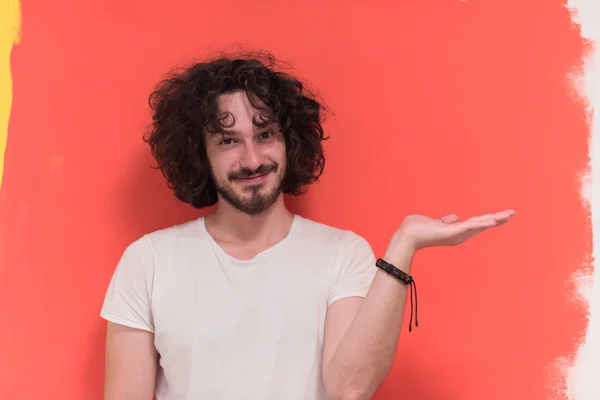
pixel 348 393
pixel 348 385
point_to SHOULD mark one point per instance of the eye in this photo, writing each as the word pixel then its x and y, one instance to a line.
pixel 226 142
pixel 266 135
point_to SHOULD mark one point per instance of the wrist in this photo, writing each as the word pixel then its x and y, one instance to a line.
pixel 400 252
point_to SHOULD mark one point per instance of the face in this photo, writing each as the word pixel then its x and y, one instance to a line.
pixel 247 162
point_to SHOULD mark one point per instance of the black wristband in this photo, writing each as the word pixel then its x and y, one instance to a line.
pixel 407 280
pixel 395 272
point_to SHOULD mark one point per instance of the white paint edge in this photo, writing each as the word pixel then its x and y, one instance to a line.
pixel 582 372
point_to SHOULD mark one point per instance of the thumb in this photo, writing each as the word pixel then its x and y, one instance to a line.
pixel 449 219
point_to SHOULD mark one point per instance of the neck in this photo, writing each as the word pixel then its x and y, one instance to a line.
pixel 232 225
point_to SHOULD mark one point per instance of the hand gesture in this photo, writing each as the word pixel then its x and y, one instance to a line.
pixel 419 231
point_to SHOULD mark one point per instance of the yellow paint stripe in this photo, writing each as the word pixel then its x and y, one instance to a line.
pixel 10 34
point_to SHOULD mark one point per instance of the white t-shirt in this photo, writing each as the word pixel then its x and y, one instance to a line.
pixel 238 329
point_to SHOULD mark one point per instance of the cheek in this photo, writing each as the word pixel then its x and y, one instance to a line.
pixel 220 166
pixel 279 153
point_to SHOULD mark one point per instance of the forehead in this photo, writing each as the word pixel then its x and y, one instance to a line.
pixel 237 109
pixel 236 102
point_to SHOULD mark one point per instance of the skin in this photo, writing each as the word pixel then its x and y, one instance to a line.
pixel 361 335
pixel 247 147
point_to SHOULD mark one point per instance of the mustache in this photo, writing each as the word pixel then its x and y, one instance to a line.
pixel 247 172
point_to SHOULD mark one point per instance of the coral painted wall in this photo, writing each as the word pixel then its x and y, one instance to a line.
pixel 440 106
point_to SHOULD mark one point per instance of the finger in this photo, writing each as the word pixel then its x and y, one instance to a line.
pixel 477 224
pixel 481 217
pixel 502 219
pixel 477 227
pixel 480 224
pixel 471 227
pixel 499 216
pixel 505 215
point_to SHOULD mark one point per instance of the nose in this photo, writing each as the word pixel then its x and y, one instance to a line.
pixel 251 158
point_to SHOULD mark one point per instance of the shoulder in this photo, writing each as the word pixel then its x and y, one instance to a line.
pixel 161 239
pixel 344 239
pixel 145 248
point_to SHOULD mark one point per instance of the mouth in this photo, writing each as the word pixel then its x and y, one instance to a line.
pixel 254 179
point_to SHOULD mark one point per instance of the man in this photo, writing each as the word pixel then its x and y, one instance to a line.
pixel 252 301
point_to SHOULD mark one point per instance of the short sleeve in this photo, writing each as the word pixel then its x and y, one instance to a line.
pixel 356 270
pixel 128 297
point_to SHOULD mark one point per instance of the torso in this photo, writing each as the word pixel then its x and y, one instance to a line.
pixel 227 328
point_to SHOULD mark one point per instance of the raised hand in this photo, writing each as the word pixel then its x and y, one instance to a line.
pixel 419 231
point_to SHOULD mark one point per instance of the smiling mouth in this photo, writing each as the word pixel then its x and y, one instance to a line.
pixel 254 178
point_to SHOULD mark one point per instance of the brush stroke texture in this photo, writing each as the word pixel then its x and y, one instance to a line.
pixel 583 369
pixel 10 33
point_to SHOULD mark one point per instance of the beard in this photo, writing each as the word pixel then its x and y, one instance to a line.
pixel 253 201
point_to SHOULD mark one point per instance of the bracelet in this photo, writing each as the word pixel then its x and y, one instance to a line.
pixel 407 280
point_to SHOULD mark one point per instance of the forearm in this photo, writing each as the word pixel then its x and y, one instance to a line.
pixel 367 351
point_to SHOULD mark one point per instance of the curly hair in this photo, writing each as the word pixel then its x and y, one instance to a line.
pixel 184 106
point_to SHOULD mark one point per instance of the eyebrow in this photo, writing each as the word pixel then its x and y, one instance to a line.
pixel 233 132
pixel 224 132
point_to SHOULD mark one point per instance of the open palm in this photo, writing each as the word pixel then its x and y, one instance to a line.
pixel 424 231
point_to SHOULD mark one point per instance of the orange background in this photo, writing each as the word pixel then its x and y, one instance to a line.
pixel 440 106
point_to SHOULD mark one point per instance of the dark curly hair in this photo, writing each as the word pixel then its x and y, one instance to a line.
pixel 184 106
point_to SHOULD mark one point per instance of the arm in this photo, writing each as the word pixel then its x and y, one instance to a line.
pixel 131 363
pixel 361 335
pixel 131 357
